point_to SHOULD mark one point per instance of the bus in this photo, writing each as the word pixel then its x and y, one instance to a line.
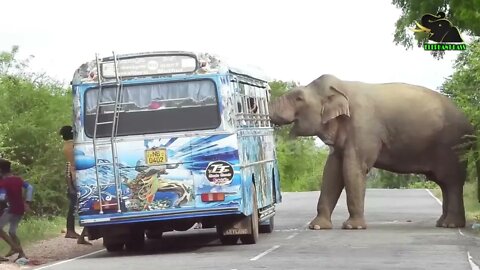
pixel 170 141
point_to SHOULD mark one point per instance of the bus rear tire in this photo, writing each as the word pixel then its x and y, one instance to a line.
pixel 226 239
pixel 113 242
pixel 252 238
pixel 114 247
pixel 153 234
pixel 136 240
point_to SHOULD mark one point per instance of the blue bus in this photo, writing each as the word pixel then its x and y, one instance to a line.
pixel 170 141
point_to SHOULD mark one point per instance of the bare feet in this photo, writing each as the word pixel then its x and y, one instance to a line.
pixel 11 252
pixel 72 234
pixel 82 241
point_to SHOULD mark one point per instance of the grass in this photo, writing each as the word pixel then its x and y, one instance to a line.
pixel 472 207
pixel 34 229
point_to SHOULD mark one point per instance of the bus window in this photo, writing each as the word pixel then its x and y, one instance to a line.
pixel 157 108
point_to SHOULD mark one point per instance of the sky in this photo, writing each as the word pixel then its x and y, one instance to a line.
pixel 290 40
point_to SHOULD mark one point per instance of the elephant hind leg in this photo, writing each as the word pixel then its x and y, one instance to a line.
pixel 450 176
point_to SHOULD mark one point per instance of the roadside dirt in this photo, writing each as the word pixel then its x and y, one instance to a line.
pixel 49 251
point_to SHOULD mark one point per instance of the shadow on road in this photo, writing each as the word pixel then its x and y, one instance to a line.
pixel 173 242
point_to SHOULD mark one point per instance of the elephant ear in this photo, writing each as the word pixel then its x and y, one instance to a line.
pixel 335 105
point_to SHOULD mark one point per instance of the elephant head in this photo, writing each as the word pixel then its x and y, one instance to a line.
pixel 313 109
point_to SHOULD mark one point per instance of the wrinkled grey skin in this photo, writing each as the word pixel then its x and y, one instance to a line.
pixel 397 127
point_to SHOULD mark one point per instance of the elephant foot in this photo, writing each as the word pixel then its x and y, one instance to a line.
pixel 453 222
pixel 320 223
pixel 354 224
pixel 439 222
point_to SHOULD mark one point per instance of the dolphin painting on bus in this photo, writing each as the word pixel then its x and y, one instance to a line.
pixel 172 139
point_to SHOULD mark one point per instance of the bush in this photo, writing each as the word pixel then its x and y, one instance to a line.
pixel 32 109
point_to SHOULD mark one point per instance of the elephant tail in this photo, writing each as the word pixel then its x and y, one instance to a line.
pixel 473 144
pixel 475 147
pixel 476 157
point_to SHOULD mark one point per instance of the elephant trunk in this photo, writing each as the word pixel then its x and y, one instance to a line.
pixel 281 111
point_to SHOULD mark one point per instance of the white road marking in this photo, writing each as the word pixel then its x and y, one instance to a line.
pixel 69 260
pixel 264 253
pixel 470 261
pixel 291 236
pixel 429 192
pixel 460 231
pixel 287 230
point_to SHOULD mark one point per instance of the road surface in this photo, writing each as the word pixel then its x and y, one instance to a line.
pixel 400 235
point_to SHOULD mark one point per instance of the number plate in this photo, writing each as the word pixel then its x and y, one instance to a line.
pixel 156 156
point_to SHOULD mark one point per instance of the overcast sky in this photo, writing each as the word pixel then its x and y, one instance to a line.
pixel 291 40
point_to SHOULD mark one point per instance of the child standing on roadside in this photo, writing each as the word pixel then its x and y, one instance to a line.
pixel 12 215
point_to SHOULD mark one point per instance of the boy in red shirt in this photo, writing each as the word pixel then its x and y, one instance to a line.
pixel 13 186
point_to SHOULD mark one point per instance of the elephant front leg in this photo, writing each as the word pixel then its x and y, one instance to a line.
pixel 332 185
pixel 355 184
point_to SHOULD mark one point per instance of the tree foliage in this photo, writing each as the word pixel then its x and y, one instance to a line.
pixel 378 178
pixel 465 15
pixel 463 87
pixel 32 108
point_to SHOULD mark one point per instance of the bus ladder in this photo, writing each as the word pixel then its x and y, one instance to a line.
pixel 112 140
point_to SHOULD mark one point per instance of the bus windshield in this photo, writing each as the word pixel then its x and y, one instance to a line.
pixel 155 108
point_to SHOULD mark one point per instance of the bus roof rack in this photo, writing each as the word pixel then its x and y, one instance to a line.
pixel 161 64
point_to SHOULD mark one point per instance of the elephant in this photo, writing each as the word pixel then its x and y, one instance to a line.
pixel 440 29
pixel 398 127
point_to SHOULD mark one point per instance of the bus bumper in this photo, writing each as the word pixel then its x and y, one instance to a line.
pixel 151 216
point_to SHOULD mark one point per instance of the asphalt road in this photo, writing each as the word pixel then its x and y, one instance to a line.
pixel 400 235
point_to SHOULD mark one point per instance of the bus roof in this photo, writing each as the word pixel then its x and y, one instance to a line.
pixel 161 64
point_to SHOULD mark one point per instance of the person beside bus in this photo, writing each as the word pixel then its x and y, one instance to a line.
pixel 16 209
pixel 67 134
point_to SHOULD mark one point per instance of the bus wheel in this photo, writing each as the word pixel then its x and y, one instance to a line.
pixel 113 243
pixel 252 238
pixel 153 234
pixel 136 240
pixel 226 239
pixel 114 247
pixel 267 228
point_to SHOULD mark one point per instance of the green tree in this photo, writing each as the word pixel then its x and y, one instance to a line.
pixel 378 178
pixel 465 15
pixel 463 88
pixel 32 109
